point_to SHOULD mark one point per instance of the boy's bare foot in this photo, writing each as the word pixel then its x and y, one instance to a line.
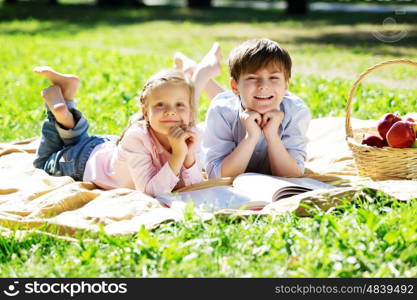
pixel 56 103
pixel 211 62
pixel 184 63
pixel 68 82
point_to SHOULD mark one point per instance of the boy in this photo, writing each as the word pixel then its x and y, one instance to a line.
pixel 258 126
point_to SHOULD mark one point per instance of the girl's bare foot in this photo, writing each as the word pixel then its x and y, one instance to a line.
pixel 68 82
pixel 184 63
pixel 56 103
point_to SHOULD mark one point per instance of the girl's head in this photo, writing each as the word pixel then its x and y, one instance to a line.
pixel 167 100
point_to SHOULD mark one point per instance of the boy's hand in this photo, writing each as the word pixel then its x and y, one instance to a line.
pixel 252 122
pixel 270 122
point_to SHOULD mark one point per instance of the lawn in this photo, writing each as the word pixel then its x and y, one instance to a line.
pixel 115 51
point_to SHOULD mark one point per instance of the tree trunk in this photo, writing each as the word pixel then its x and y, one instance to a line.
pixel 120 2
pixel 297 7
pixel 53 2
pixel 199 3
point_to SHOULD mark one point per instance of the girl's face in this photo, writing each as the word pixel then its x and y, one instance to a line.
pixel 166 106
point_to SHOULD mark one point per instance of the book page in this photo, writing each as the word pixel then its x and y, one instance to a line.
pixel 308 183
pixel 288 192
pixel 258 186
pixel 268 188
pixel 213 198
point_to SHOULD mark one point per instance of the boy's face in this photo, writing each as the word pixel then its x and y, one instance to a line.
pixel 262 90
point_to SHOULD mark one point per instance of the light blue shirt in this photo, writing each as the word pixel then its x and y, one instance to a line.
pixel 224 131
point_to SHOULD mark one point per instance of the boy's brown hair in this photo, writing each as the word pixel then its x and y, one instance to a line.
pixel 256 54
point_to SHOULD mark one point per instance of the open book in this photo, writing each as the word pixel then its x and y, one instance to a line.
pixel 248 191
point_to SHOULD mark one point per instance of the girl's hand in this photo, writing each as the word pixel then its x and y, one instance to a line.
pixel 177 138
pixel 270 122
pixel 191 142
pixel 182 141
pixel 191 139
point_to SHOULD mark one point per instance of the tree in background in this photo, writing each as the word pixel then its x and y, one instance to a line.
pixel 297 7
pixel 199 3
pixel 15 1
pixel 120 2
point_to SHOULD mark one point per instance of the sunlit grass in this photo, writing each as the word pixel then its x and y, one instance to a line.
pixel 358 240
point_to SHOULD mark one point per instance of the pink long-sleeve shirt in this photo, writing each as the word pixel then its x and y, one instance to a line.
pixel 138 162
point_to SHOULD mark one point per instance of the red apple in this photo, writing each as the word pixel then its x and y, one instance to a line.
pixel 374 141
pixel 401 135
pixel 385 123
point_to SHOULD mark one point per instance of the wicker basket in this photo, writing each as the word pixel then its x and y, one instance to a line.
pixel 379 163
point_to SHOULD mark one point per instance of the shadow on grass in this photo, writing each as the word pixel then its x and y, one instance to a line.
pixel 366 40
pixel 70 19
pixel 89 15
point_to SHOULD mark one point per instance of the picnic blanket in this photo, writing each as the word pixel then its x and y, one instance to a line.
pixel 30 199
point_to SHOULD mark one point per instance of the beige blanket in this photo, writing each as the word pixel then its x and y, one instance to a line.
pixel 31 199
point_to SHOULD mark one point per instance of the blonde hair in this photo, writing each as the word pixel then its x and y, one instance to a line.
pixel 166 76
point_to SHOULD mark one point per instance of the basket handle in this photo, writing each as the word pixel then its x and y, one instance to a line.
pixel 348 126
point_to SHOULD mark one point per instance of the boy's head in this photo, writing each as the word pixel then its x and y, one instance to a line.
pixel 260 72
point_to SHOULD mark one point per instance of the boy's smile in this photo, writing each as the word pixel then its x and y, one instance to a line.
pixel 262 90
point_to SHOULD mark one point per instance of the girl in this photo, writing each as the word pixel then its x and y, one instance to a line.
pixel 155 154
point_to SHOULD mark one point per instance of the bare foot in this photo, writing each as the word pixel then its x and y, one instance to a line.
pixel 184 63
pixel 68 82
pixel 56 103
pixel 211 62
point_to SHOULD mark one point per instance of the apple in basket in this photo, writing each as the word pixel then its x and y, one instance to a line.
pixel 385 123
pixel 402 134
pixel 374 141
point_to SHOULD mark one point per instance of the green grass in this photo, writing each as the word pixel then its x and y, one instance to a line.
pixel 115 51
pixel 359 240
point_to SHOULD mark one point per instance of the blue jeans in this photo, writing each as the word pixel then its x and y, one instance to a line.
pixel 64 152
